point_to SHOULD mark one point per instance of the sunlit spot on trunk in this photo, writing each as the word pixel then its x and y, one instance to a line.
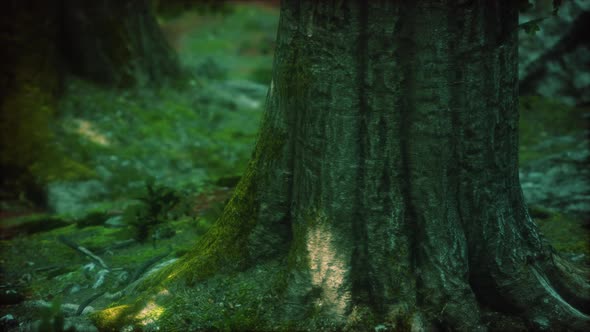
pixel 328 268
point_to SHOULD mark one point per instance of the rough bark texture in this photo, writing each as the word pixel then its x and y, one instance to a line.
pixel 117 43
pixel 385 176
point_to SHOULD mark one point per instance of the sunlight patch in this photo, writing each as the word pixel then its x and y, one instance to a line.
pixel 112 315
pixel 150 313
pixel 327 266
pixel 86 129
pixel 164 292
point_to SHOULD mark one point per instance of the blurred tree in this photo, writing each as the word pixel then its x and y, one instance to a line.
pixel 116 43
pixel 385 177
pixel 174 7
pixel 30 78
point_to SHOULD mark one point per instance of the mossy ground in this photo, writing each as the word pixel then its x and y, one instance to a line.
pixel 191 144
pixel 542 119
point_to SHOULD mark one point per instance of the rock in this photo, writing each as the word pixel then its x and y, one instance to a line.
pixel 380 328
pixel 79 324
pixel 115 222
pixel 74 197
pixel 67 309
pixel 559 182
pixel 235 94
pixel 8 322
pixel 249 88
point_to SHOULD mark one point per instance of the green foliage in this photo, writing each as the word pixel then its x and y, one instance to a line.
pixel 524 5
pixel 172 8
pixel 157 201
pixel 211 69
pixel 92 218
pixel 541 118
pixel 242 40
pixel 262 75
pixel 565 233
pixel 52 318
pixel 531 27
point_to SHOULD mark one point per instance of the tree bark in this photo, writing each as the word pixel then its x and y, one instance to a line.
pixel 385 177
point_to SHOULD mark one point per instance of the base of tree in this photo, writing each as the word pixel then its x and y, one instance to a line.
pixel 255 300
pixel 383 192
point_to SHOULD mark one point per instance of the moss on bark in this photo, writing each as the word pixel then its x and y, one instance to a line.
pixel 396 180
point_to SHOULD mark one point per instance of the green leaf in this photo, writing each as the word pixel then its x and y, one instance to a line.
pixel 532 26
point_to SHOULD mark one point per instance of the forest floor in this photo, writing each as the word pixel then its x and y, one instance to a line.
pixel 161 164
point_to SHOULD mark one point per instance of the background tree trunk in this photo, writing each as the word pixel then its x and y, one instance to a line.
pixel 116 42
pixel 385 176
pixel 29 86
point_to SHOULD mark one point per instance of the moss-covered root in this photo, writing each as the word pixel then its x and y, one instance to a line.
pixel 232 244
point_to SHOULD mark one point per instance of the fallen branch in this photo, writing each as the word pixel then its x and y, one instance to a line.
pixel 140 270
pixel 84 304
pixel 146 265
pixel 83 251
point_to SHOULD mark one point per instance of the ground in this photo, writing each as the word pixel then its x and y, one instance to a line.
pixel 163 163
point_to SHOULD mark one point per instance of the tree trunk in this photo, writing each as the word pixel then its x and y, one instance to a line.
pixel 29 82
pixel 117 43
pixel 385 177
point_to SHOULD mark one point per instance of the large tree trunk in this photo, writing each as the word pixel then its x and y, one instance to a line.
pixel 386 179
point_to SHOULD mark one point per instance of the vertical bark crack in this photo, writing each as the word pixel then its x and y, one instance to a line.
pixel 361 284
pixel 406 106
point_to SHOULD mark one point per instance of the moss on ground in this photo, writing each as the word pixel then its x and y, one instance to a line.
pixel 124 138
pixel 543 118
pixel 565 233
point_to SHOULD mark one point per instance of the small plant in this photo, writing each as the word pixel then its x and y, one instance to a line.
pixel 52 319
pixel 157 201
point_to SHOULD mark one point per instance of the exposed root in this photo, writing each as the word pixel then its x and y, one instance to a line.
pixel 539 303
pixel 569 280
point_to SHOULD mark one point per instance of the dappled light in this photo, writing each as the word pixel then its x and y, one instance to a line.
pixel 328 267
pixel 150 313
pixel 270 165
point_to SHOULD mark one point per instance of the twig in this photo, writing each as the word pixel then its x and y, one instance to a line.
pixel 83 251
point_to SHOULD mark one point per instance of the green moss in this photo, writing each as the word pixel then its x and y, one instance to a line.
pixel 295 77
pixel 221 250
pixel 565 234
pixel 360 318
pixel 111 319
pixel 31 224
pixel 226 38
pixel 542 118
